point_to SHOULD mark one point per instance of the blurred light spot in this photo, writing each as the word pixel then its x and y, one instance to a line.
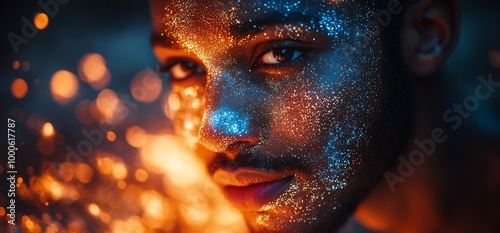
pixel 46 203
pixel 66 171
pixel 172 156
pixel 121 184
pixel 2 211
pixel 132 225
pixel 84 173
pixel 19 180
pixel 141 175
pixel 28 222
pixel 105 165
pixel 82 112
pixel 92 69
pixel 47 129
pixel 111 136
pixel 19 88
pixel 146 86
pixel 495 59
pixel 41 21
pixel 109 106
pixel 105 218
pixel 172 105
pixel 63 86
pixel 94 209
pixel 157 210
pixel 136 136
pixel 119 171
pixel 16 64
pixel 25 65
pixel 196 212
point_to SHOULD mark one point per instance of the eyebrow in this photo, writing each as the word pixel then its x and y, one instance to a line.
pixel 249 27
pixel 157 39
pixel 273 18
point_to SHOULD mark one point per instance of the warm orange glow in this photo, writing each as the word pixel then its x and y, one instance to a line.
pixel 146 86
pixel 108 104
pixel 105 218
pixel 16 64
pixel 19 88
pixel 94 209
pixel 132 224
pixel 41 21
pixel 84 173
pixel 141 175
pixel 121 184
pixel 63 86
pixel 111 136
pixel 19 180
pixel 157 210
pixel 2 211
pixel 172 156
pixel 28 222
pixel 66 171
pixel 119 171
pixel 47 129
pixel 93 70
pixel 105 165
pixel 136 136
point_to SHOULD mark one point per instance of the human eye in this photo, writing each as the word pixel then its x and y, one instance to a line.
pixel 281 52
pixel 182 69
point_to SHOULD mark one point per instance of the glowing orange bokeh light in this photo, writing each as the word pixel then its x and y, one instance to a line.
pixel 146 86
pixel 19 88
pixel 108 103
pixel 136 136
pixel 63 86
pixel 93 70
pixel 16 64
pixel 41 21
pixel 111 136
pixel 94 209
pixel 47 129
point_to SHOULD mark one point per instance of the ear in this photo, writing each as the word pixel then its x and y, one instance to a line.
pixel 429 34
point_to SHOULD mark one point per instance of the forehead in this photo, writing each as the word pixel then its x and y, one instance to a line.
pixel 171 16
pixel 213 27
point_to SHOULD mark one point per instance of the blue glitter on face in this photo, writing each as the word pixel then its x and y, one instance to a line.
pixel 229 122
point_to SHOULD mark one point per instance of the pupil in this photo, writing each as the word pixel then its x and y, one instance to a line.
pixel 187 66
pixel 283 54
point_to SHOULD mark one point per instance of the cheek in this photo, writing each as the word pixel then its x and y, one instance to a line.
pixel 295 116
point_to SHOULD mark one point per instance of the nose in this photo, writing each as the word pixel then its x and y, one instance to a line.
pixel 231 119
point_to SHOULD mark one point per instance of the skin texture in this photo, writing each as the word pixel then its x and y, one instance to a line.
pixel 299 90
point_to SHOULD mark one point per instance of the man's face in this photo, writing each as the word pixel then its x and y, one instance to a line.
pixel 292 96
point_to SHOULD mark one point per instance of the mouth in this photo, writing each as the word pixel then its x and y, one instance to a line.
pixel 249 189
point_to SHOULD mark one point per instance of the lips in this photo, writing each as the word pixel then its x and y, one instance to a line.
pixel 250 189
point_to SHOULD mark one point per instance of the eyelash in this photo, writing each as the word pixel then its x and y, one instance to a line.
pixel 265 48
pixel 180 63
pixel 193 69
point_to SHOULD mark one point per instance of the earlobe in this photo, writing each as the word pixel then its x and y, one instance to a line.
pixel 429 35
